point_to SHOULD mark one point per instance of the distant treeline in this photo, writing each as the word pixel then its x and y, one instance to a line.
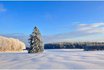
pixel 76 45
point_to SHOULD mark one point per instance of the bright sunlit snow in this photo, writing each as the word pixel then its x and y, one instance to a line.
pixel 53 58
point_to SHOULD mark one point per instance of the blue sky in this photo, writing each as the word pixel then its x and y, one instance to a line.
pixel 62 19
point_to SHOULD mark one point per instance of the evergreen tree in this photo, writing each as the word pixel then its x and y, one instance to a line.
pixel 35 40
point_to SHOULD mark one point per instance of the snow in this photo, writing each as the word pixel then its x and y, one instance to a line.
pixel 53 59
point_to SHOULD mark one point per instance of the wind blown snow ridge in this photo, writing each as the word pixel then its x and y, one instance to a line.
pixel 54 59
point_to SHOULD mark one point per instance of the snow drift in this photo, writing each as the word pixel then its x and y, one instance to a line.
pixel 10 44
pixel 50 59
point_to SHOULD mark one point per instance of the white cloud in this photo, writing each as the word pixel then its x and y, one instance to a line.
pixel 83 32
pixel 2 8
pixel 91 28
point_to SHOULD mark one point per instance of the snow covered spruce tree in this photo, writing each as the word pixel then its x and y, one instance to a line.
pixel 35 40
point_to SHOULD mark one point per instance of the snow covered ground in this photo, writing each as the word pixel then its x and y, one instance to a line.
pixel 54 59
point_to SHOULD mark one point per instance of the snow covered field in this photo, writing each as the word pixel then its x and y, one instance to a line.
pixel 53 58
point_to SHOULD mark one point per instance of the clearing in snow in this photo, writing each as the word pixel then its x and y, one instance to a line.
pixel 53 59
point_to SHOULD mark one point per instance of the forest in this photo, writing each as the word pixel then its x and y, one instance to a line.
pixel 87 46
